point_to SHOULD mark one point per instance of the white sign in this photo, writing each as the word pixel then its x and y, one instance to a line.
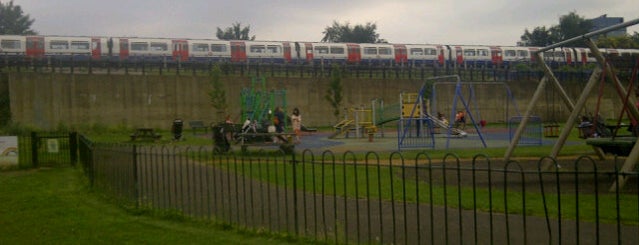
pixel 53 146
pixel 8 150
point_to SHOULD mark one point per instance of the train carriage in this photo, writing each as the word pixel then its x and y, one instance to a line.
pixel 209 50
pixel 418 54
pixel 146 49
pixel 265 52
pixel 514 55
pixel 12 46
pixel 377 54
pixel 473 56
pixel 330 53
pixel 66 48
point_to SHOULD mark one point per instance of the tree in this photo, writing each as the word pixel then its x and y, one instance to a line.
pixel 218 93
pixel 235 32
pixel 570 25
pixel 334 92
pixel 539 37
pixel 617 42
pixel 357 34
pixel 13 21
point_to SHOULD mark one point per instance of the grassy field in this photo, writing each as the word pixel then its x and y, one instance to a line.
pixel 56 206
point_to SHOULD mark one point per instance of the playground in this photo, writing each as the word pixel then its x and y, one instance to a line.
pixel 445 113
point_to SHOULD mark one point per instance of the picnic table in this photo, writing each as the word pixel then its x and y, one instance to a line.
pixel 145 134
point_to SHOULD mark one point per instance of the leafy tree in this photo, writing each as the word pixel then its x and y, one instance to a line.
pixel 357 34
pixel 570 25
pixel 235 32
pixel 13 21
pixel 218 92
pixel 539 37
pixel 617 42
pixel 334 92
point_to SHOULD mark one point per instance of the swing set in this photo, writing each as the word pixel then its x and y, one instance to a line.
pixel 575 108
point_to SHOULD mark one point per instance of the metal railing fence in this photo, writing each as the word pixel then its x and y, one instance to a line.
pixel 385 200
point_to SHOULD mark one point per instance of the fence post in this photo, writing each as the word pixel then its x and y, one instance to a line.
pixel 34 149
pixel 136 184
pixel 295 205
pixel 73 148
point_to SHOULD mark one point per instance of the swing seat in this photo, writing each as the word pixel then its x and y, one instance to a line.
pixel 620 146
pixel 551 130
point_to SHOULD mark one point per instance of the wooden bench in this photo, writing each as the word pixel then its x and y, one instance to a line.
pixel 145 134
pixel 198 125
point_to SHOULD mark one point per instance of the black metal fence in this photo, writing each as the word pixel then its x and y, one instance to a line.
pixel 388 200
pixel 388 71
pixel 47 149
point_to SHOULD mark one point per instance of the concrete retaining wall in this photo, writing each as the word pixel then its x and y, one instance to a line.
pixel 48 100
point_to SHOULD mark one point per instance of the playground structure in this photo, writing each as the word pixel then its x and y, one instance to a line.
pixel 604 66
pixel 258 103
pixel 416 125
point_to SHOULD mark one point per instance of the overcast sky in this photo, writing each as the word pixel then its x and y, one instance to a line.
pixel 486 22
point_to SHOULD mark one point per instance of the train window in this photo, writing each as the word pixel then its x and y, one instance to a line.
pixel 482 52
pixel 273 49
pixel 200 47
pixel 218 48
pixel 416 51
pixel 370 50
pixel 384 51
pixel 10 44
pixel 257 48
pixel 321 50
pixel 469 52
pixel 510 53
pixel 522 53
pixel 430 51
pixel 139 46
pixel 159 47
pixel 337 50
pixel 58 45
pixel 79 45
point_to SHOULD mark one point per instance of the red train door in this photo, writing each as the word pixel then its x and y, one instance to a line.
pixel 124 48
pixel 354 53
pixel 496 55
pixel 459 53
pixel 568 53
pixel 309 52
pixel 441 55
pixel 401 55
pixel 238 52
pixel 287 52
pixel 96 48
pixel 180 50
pixel 35 47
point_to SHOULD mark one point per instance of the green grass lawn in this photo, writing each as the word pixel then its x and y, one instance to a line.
pixel 56 206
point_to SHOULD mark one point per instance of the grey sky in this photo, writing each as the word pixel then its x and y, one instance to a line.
pixel 489 22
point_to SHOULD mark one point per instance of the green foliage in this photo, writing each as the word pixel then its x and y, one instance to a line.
pixel 235 32
pixel 357 34
pixel 13 21
pixel 570 25
pixel 218 92
pixel 334 92
pixel 627 41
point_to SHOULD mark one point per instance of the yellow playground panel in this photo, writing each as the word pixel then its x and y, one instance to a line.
pixel 361 121
pixel 408 103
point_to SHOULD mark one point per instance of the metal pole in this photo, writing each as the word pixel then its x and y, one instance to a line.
pixel 524 119
pixel 589 35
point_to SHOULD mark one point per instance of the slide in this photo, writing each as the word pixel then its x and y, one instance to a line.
pixel 442 124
